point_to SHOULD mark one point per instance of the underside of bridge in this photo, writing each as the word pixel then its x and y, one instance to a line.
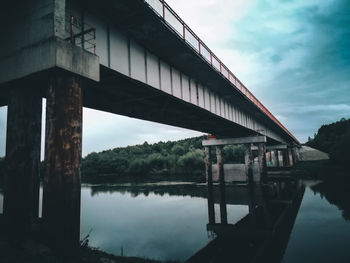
pixel 38 60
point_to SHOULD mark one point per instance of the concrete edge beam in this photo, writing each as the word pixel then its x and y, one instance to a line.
pixel 242 140
pixel 273 147
pixel 49 54
pixel 277 147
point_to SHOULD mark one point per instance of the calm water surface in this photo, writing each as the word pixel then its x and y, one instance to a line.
pixel 171 225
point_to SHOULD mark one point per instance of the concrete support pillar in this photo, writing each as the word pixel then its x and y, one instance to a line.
pixel 21 191
pixel 285 158
pixel 262 161
pixel 279 157
pixel 275 157
pixel 249 160
pixel 61 200
pixel 223 211
pixel 295 155
pixel 208 172
pixel 290 157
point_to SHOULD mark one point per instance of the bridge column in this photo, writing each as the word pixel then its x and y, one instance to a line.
pixel 290 157
pixel 262 161
pixel 208 172
pixel 285 158
pixel 223 211
pixel 279 157
pixel 274 154
pixel 21 189
pixel 295 155
pixel 249 159
pixel 61 200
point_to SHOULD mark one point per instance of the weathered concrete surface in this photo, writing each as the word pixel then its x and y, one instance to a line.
pixel 21 186
pixel 49 54
pixel 61 196
pixel 307 153
pixel 262 161
pixel 236 172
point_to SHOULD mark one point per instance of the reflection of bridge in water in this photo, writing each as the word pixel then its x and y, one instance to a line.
pixel 263 234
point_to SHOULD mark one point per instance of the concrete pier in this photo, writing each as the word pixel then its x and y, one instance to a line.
pixel 249 159
pixel 21 193
pixel 285 157
pixel 290 157
pixel 61 200
pixel 262 161
pixel 275 158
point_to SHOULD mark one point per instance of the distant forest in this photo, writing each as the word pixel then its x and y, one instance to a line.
pixel 334 139
pixel 183 157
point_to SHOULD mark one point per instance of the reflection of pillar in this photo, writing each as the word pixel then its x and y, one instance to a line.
pixel 223 211
pixel 208 172
pixel 264 203
pixel 249 159
pixel 251 203
pixel 61 200
pixel 262 161
pixel 21 196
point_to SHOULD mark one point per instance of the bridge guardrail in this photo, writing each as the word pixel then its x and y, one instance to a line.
pixel 163 10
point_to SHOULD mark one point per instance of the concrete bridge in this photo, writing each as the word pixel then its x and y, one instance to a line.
pixel 130 57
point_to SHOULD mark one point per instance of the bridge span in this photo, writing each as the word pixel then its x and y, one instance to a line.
pixel 130 57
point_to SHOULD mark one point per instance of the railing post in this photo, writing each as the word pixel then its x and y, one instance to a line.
pixel 199 45
pixel 71 29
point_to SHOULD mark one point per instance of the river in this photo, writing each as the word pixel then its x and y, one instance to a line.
pixel 169 221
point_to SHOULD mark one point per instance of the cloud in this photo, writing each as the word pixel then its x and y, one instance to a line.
pixel 293 54
pixel 103 131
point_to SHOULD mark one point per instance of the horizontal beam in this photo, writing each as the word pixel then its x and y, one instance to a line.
pixel 272 147
pixel 242 140
pixel 277 147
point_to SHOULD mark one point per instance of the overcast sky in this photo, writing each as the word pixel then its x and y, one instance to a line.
pixel 294 55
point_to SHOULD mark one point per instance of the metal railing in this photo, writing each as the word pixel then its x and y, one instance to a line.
pixel 163 10
pixel 81 33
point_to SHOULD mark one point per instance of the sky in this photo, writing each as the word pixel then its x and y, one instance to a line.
pixel 294 55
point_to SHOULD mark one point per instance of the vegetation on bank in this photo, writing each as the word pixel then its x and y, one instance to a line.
pixel 334 139
pixel 172 158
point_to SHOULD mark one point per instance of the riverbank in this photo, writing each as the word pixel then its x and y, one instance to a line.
pixel 35 252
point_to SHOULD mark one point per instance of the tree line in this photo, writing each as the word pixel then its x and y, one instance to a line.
pixel 183 157
pixel 334 139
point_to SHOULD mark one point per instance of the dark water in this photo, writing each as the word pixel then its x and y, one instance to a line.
pixel 321 233
pixel 169 222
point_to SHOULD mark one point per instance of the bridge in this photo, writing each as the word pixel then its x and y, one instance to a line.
pixel 130 57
